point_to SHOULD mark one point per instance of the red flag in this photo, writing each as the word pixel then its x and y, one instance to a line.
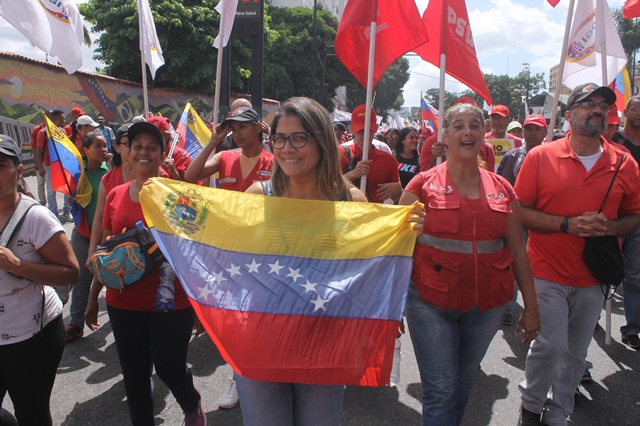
pixel 399 30
pixel 553 3
pixel 631 9
pixel 462 62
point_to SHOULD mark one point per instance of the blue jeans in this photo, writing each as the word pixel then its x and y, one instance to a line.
pixel 52 203
pixel 154 339
pixel 631 285
pixel 80 290
pixel 556 358
pixel 449 346
pixel 288 404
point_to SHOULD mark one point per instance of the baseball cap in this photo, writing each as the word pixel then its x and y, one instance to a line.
pixel 76 112
pixel 162 123
pixel 358 116
pixel 9 147
pixel 338 125
pixel 500 110
pixel 583 91
pixel 536 119
pixel 242 114
pixel 514 125
pixel 426 132
pixel 465 100
pixel 85 120
pixel 613 118
pixel 145 126
pixel 122 131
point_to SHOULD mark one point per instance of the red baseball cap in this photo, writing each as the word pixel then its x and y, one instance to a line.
pixel 536 119
pixel 465 100
pixel 358 116
pixel 76 112
pixel 613 118
pixel 500 110
pixel 426 132
pixel 162 123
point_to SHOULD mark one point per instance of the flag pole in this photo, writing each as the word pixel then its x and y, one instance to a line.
pixel 145 94
pixel 216 97
pixel 368 103
pixel 443 70
pixel 603 63
pixel 556 95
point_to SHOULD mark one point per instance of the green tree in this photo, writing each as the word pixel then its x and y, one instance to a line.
pixel 388 92
pixel 432 96
pixel 509 91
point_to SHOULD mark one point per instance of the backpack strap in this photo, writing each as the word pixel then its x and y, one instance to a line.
pixel 17 217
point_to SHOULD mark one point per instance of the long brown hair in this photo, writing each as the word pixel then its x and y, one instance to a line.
pixel 315 120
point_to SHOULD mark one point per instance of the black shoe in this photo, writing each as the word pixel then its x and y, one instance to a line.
pixel 632 340
pixel 528 418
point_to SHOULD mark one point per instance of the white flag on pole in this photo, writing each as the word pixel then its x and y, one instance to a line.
pixel 53 27
pixel 592 27
pixel 227 11
pixel 149 43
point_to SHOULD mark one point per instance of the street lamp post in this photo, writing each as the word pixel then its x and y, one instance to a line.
pixel 527 77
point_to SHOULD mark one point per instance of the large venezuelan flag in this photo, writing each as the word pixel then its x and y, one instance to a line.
pixel 289 290
pixel 194 133
pixel 67 166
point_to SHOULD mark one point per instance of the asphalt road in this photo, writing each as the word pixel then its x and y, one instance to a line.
pixel 89 389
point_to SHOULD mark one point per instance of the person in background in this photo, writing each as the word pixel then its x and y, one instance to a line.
pixel 151 320
pixel 174 166
pixel 95 167
pixel 71 129
pixel 515 129
pixel 37 160
pixel 339 130
pixel 301 129
pixel 381 168
pixel 407 155
pixel 38 256
pixel 463 269
pixel 107 132
pixel 391 139
pixel 535 130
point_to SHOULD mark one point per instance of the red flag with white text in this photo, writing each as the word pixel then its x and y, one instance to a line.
pixel 462 61
pixel 631 9
pixel 399 30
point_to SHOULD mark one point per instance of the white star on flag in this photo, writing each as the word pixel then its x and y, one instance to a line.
pixel 319 303
pixel 233 270
pixel 308 286
pixel 275 268
pixel 205 292
pixel 253 267
pixel 217 276
pixel 295 274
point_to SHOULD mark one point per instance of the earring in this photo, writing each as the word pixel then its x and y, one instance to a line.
pixel 124 167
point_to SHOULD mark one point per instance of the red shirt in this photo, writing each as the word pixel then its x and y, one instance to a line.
pixel 462 279
pixel 121 212
pixel 553 180
pixel 383 168
pixel 41 142
pixel 230 171
pixel 181 161
pixel 112 179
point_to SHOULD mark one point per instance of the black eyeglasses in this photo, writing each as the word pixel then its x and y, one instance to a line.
pixel 591 104
pixel 296 140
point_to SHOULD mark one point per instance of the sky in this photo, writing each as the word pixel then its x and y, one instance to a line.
pixel 506 33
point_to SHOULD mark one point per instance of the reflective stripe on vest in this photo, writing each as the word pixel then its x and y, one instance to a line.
pixel 459 246
pixel 228 180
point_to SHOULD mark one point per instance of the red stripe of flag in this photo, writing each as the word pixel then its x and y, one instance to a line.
pixel 267 334
pixel 631 9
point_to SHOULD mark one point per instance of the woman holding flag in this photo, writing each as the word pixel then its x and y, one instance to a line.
pixel 463 269
pixel 307 167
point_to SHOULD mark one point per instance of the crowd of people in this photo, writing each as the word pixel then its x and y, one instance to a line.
pixel 491 225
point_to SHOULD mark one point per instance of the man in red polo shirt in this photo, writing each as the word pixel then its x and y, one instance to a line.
pixel 381 168
pixel 560 187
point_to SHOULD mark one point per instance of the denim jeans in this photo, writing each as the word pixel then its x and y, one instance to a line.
pixel 154 339
pixel 631 284
pixel 449 346
pixel 556 358
pixel 80 290
pixel 52 203
pixel 288 404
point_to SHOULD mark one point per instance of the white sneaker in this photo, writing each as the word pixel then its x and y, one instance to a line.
pixel 230 398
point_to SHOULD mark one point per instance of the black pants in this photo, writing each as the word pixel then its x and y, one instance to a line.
pixel 28 370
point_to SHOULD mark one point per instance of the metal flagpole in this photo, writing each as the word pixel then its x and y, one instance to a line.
pixel 368 104
pixel 143 37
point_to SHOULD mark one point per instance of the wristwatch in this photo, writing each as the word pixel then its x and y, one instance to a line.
pixel 564 226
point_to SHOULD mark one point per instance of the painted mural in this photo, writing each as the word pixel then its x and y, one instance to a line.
pixel 27 87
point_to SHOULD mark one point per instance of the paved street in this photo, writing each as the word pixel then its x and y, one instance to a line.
pixel 89 389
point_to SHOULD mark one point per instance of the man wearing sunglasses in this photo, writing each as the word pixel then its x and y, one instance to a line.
pixel 560 187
